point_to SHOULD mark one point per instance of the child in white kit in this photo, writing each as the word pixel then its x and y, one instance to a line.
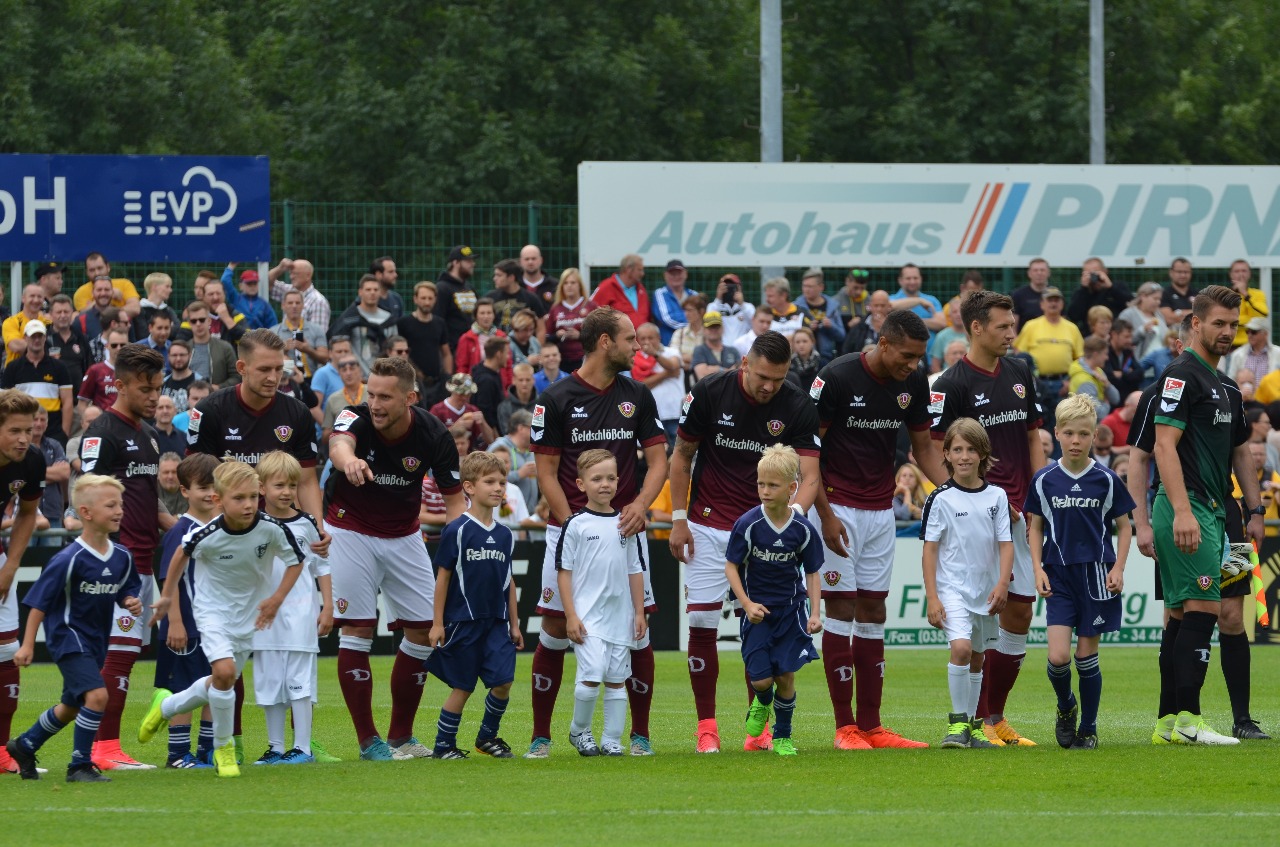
pixel 285 656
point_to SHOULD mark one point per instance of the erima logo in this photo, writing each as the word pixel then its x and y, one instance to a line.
pixel 579 412
pixel 857 401
pixel 1075 487
pixel 981 400
pixel 1214 392
pixel 726 420
pixel 130 445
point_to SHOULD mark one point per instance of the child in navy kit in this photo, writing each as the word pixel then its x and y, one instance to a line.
pixel 75 598
pixel 968 564
pixel 179 659
pixel 476 632
pixel 773 558
pixel 1078 572
pixel 600 574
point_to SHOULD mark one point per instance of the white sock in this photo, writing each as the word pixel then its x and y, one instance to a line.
pixel 615 715
pixel 187 700
pixel 975 691
pixel 275 726
pixel 958 685
pixel 301 723
pixel 1011 643
pixel 223 706
pixel 584 707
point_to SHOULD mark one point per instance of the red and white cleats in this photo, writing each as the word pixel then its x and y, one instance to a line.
pixel 882 738
pixel 762 742
pixel 108 756
pixel 708 736
pixel 7 764
pixel 850 738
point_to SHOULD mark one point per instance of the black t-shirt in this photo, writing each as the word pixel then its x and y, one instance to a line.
pixel 25 479
pixel 177 389
pixel 1171 299
pixel 73 353
pixel 456 303
pixel 1026 303
pixel 1004 403
pixel 544 291
pixel 571 417
pixel 732 431
pixel 224 427
pixel 43 381
pixel 505 306
pixel 425 339
pixel 863 416
pixel 129 451
pixel 388 506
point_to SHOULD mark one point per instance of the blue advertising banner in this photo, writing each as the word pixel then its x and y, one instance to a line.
pixel 135 208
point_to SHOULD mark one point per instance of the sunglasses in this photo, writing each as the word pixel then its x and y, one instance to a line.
pixel 198 320
pixel 115 346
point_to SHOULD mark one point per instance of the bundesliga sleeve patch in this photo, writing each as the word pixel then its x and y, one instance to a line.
pixel 936 400
pixel 344 420
pixel 815 390
pixel 688 401
pixel 89 448
pixel 1173 388
pixel 539 415
pixel 193 424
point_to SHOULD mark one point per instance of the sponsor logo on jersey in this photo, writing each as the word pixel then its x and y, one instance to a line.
pixel 981 399
pixel 16 485
pixel 1173 388
pixel 1220 416
pixel 130 444
pixel 579 412
pixel 125 622
pixel 1076 487
pixel 87 587
pixel 904 400
pixel 547 594
pixel 726 419
pixel 283 433
pixel 1011 416
pixel 539 416
pixel 962 514
pixel 775 427
pixel 141 469
pixel 344 420
pixel 749 444
pixel 688 401
pixel 815 390
pixel 1214 392
pixel 474 555
pixel 411 463
pixel 233 434
pixel 872 423
pixel 936 399
pixel 341 604
pixel 857 401
pixel 1075 502
pixel 627 409
pixel 89 447
pixel 832 578
pixel 612 434
pixel 1205 583
pixel 155 445
pixel 1020 390
pixel 771 556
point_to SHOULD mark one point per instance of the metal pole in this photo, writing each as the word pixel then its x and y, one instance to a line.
pixel 533 223
pixel 1097 87
pixel 15 288
pixel 770 94
pixel 288 229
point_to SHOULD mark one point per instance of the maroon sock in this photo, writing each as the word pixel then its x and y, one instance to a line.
pixel 1004 673
pixel 640 689
pixel 356 683
pixel 751 689
pixel 984 695
pixel 9 679
pixel 868 668
pixel 407 681
pixel 547 672
pixel 837 661
pixel 115 678
pixel 704 670
pixel 239 689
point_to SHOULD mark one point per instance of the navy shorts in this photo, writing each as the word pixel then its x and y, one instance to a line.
pixel 81 673
pixel 179 671
pixel 779 644
pixel 475 650
pixel 1081 600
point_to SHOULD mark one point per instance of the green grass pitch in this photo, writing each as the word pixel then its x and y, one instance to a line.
pixel 1127 792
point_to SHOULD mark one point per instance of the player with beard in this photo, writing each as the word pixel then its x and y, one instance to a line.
pixel 863 401
pixel 123 445
pixel 1000 393
pixel 728 421
pixel 381 450
pixel 594 407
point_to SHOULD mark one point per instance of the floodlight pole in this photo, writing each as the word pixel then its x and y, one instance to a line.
pixel 770 94
pixel 1097 86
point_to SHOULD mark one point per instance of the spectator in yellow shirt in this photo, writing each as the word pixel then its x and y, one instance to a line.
pixel 1053 342
pixel 1253 303
pixel 124 295
pixel 1268 484
pixel 13 329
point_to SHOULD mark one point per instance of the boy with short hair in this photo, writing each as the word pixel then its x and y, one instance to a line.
pixel 475 631
pixel 75 598
pixel 1078 572
pixel 600 576
pixel 965 529
pixel 179 659
pixel 285 656
pixel 232 599
pixel 772 563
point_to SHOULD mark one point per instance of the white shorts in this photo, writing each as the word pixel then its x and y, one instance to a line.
pixel 981 630
pixel 1023 587
pixel 868 570
pixel 705 585
pixel 9 609
pixel 399 567
pixel 602 661
pixel 281 676
pixel 130 634
pixel 218 644
pixel 549 603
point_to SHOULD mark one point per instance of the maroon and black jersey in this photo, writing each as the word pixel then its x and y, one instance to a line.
pixel 1004 403
pixel 224 427
pixel 388 507
pixel 128 450
pixel 24 479
pixel 732 431
pixel 571 417
pixel 862 415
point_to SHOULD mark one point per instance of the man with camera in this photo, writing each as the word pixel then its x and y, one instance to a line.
pixel 304 342
pixel 735 312
pixel 1096 289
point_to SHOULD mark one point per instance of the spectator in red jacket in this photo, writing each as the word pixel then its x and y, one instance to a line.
pixel 625 290
pixel 471 344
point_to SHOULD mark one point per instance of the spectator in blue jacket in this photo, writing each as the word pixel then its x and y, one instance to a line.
pixel 821 314
pixel 668 301
pixel 245 300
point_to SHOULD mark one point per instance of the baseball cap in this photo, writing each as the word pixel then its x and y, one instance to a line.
pixel 462 251
pixel 460 384
pixel 1051 292
pixel 676 265
pixel 48 268
pixel 35 327
pixel 732 278
pixel 249 276
pixel 712 319
pixel 1257 325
